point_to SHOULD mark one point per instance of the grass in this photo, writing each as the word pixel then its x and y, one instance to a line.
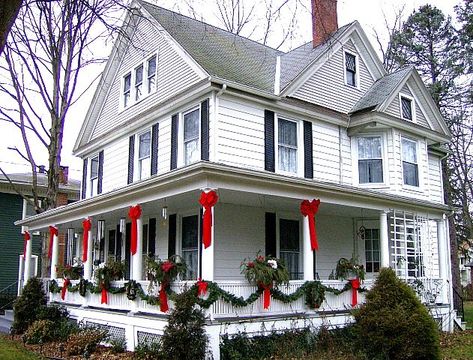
pixel 468 307
pixel 457 346
pixel 11 350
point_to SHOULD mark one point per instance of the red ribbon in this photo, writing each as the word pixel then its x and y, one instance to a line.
pixel 266 296
pixel 163 298
pixel 134 214
pixel 26 237
pixel 207 200
pixel 64 288
pixel 104 299
pixel 355 285
pixel 52 231
pixel 309 209
pixel 202 287
pixel 86 225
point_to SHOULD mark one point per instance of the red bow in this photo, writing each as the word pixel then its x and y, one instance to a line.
pixel 266 296
pixel 64 288
pixel 207 200
pixel 86 225
pixel 202 287
pixel 52 231
pixel 26 237
pixel 309 209
pixel 355 285
pixel 134 214
pixel 163 298
pixel 104 297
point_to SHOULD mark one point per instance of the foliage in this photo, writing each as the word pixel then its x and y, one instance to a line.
pixel 165 271
pixel 264 271
pixel 184 337
pixel 63 327
pixel 71 272
pixel 118 345
pixel 27 305
pixel 13 350
pixel 39 332
pixel 393 324
pixel 108 272
pixel 86 339
pixel 148 350
pixel 347 269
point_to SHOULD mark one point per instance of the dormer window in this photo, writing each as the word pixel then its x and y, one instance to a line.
pixel 139 82
pixel 126 89
pixel 350 69
pixel 406 108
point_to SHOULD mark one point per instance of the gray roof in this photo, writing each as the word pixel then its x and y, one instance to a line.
pixel 381 90
pixel 26 179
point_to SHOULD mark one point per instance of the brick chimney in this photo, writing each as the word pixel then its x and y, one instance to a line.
pixel 324 20
pixel 64 175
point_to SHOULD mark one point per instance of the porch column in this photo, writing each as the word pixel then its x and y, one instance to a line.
pixel 89 262
pixel 308 254
pixel 27 258
pixel 443 257
pixel 137 259
pixel 208 199
pixel 208 258
pixel 54 256
pixel 384 238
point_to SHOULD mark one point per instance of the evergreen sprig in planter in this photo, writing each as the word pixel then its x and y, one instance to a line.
pixel 106 273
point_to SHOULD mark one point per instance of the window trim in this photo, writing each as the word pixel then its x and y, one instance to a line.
pixel 384 152
pixel 180 143
pixel 290 216
pixel 300 146
pixel 417 187
pixel 357 69
pixel 413 107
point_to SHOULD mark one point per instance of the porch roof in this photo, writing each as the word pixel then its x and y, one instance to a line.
pixel 204 175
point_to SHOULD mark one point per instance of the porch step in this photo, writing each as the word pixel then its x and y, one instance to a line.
pixel 458 323
pixel 6 321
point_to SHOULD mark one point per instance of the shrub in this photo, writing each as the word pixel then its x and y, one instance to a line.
pixel 184 337
pixel 148 350
pixel 40 331
pixel 27 305
pixel 118 345
pixel 393 324
pixel 86 339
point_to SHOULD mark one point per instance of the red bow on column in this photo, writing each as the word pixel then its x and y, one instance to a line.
pixel 26 237
pixel 207 200
pixel 309 209
pixel 52 232
pixel 104 298
pixel 64 288
pixel 266 296
pixel 163 298
pixel 355 285
pixel 134 214
pixel 202 287
pixel 86 225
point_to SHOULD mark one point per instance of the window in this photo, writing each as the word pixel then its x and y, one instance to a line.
pixel 406 108
pixel 409 162
pixel 126 89
pixel 289 246
pixel 190 245
pixel 370 160
pixel 287 146
pixel 151 74
pixel 94 175
pixel 144 155
pixel 191 136
pixel 138 82
pixel 372 254
pixel 350 69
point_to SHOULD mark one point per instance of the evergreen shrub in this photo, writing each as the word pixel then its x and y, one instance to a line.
pixel 40 332
pixel 27 306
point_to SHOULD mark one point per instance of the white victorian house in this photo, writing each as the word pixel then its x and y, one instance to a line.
pixel 184 107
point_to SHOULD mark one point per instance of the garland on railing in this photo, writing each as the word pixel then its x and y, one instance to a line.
pixel 314 292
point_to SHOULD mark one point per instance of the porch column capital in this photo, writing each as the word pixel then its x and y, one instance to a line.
pixel 384 238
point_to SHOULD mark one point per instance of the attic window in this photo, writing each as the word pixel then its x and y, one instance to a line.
pixel 152 74
pixel 138 82
pixel 126 89
pixel 350 69
pixel 406 108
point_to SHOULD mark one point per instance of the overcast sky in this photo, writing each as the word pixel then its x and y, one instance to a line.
pixel 370 13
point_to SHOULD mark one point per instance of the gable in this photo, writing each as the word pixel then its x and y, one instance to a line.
pixel 394 108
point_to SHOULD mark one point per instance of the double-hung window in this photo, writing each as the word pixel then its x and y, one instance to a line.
pixel 190 245
pixel 144 155
pixel 410 168
pixel 151 68
pixel 126 90
pixel 289 246
pixel 370 160
pixel 372 252
pixel 350 69
pixel 287 146
pixel 191 121
pixel 406 108
pixel 138 82
pixel 94 175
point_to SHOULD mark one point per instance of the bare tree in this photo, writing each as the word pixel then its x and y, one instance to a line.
pixel 49 46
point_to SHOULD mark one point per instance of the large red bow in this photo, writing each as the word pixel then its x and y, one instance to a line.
pixel 52 232
pixel 207 200
pixel 202 287
pixel 309 209
pixel 266 296
pixel 104 295
pixel 134 214
pixel 26 237
pixel 355 285
pixel 64 288
pixel 163 298
pixel 86 225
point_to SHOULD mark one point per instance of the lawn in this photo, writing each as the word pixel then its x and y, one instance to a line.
pixel 468 306
pixel 11 350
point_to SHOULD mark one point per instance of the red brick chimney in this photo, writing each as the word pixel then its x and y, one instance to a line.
pixel 324 20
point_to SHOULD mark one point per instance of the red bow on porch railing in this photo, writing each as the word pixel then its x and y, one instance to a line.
pixel 207 200
pixel 26 237
pixel 355 285
pixel 266 296
pixel 202 287
pixel 309 209
pixel 134 214
pixel 86 225
pixel 104 297
pixel 66 283
pixel 163 298
pixel 52 232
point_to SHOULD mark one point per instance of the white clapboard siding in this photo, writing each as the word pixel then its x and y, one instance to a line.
pixel 346 165
pixel 394 108
pixel 164 145
pixel 173 76
pixel 327 86
pixel 326 149
pixel 115 165
pixel 435 179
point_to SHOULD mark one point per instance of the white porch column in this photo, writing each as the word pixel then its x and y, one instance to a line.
pixel 54 257
pixel 443 256
pixel 384 238
pixel 208 256
pixel 137 259
pixel 27 267
pixel 308 254
pixel 88 264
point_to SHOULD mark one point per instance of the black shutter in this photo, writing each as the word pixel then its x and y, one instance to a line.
pixel 127 250
pixel 84 178
pixel 204 129
pixel 174 130
pixel 152 237
pixel 172 235
pixel 270 234
pixel 154 149
pixel 131 158
pixel 308 156
pixel 269 140
pixel 100 174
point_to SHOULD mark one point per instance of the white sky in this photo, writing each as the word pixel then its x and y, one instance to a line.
pixel 370 13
